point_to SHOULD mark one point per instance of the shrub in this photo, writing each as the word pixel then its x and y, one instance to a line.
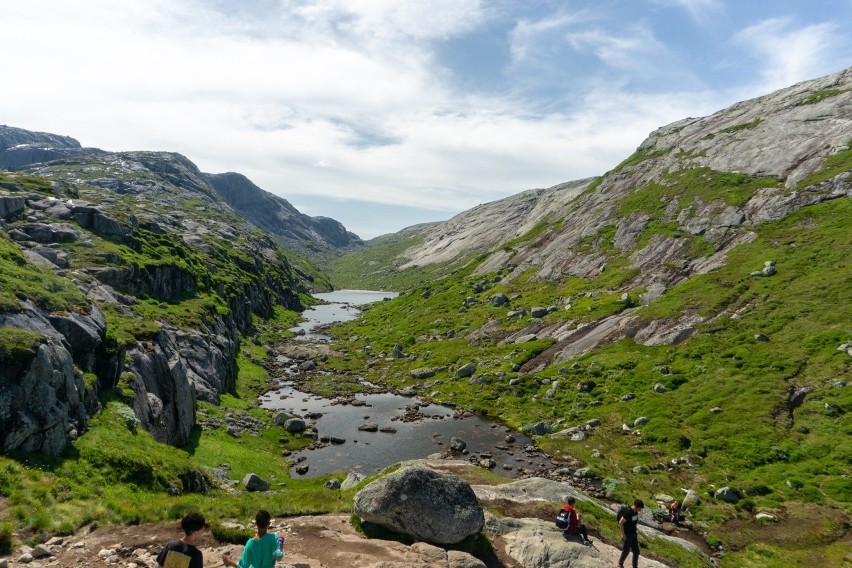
pixel 5 538
pixel 230 535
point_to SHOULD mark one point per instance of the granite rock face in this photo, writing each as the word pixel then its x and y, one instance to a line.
pixel 779 140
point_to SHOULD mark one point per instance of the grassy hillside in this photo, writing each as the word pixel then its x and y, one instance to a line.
pixel 764 337
pixel 376 266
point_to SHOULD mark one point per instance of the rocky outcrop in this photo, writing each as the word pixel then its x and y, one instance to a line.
pixel 44 402
pixel 20 148
pixel 428 505
pixel 786 136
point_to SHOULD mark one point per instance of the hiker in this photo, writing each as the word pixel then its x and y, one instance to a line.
pixel 569 521
pixel 628 520
pixel 183 553
pixel 262 550
pixel 674 512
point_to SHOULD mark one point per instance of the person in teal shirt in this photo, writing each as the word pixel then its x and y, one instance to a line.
pixel 261 551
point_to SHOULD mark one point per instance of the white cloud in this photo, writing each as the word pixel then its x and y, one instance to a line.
pixel 345 99
pixel 630 49
pixel 530 38
pixel 789 54
pixel 699 10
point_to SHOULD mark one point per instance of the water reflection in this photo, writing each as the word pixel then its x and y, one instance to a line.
pixel 395 440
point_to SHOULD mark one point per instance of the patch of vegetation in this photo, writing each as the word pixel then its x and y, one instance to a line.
pixel 18 345
pixel 683 186
pixel 377 266
pixel 834 165
pixel 22 280
pixel 819 96
pixel 6 538
pixel 530 235
pixel 744 126
pixel 639 156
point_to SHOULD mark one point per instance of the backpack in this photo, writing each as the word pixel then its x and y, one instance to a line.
pixel 563 519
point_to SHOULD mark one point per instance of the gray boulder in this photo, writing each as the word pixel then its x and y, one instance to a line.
pixel 457 444
pixel 498 300
pixel 727 494
pixel 466 370
pixel 253 482
pixel 540 429
pixel 281 417
pixel 10 206
pixel 428 505
pixel 352 479
pixel 538 312
pixel 422 372
pixel 295 425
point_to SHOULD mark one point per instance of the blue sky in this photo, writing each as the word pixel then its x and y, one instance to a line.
pixel 383 114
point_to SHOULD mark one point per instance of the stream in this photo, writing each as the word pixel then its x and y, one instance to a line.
pixel 407 427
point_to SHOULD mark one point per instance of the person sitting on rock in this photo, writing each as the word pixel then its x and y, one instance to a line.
pixel 263 550
pixel 569 521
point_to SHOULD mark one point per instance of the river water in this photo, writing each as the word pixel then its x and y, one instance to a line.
pixel 370 452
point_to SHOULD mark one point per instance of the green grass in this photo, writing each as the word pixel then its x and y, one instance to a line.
pixel 22 280
pixel 834 165
pixel 684 186
pixel 819 96
pixel 18 345
pixel 803 309
pixel 744 126
pixel 377 265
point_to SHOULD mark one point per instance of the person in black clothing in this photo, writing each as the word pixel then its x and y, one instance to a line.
pixel 183 553
pixel 628 520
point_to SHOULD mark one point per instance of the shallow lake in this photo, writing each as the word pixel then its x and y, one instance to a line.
pixel 370 452
pixel 342 306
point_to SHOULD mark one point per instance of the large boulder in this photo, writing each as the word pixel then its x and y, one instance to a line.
pixel 428 505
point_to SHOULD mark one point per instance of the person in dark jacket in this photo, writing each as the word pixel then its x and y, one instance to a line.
pixel 628 520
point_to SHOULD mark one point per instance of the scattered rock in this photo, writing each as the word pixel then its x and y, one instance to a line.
pixel 660 387
pixel 641 421
pixel 727 494
pixel 295 425
pixel 466 370
pixel 760 337
pixel 369 427
pixel 333 483
pixel 457 444
pixel 715 410
pixel 253 482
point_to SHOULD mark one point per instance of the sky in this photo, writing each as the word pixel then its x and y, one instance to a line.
pixel 387 113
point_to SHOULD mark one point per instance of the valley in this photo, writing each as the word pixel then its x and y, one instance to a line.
pixel 677 328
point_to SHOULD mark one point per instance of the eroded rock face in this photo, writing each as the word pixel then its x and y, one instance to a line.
pixel 428 505
pixel 42 403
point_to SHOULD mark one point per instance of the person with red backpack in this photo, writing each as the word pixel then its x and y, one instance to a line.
pixel 569 521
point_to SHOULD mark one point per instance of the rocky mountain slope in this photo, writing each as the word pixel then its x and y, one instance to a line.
pixel 312 237
pixel 675 209
pixel 681 322
pixel 124 271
